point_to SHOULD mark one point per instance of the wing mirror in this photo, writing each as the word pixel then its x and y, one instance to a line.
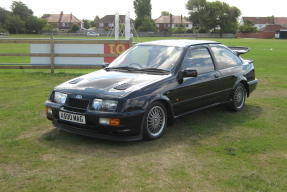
pixel 104 65
pixel 189 73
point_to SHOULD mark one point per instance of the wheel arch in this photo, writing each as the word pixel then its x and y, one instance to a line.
pixel 242 80
pixel 167 104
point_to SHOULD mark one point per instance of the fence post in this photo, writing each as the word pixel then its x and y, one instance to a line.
pixel 52 54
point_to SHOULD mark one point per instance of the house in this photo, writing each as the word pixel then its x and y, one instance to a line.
pixel 108 21
pixel 266 31
pixel 164 23
pixel 261 22
pixel 272 28
pixel 281 34
pixel 63 22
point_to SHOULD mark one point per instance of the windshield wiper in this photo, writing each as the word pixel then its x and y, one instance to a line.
pixel 122 68
pixel 154 70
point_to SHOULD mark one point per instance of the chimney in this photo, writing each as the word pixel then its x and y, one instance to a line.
pixel 60 18
pixel 170 20
pixel 71 17
pixel 181 21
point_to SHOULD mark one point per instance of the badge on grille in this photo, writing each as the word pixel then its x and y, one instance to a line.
pixel 79 97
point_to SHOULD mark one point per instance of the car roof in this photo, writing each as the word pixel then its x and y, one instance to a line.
pixel 178 42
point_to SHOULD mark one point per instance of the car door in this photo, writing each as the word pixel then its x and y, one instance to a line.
pixel 195 92
pixel 229 67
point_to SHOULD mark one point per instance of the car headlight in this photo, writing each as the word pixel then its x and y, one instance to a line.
pixel 105 105
pixel 60 97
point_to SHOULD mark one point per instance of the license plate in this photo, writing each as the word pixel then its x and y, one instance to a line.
pixel 72 117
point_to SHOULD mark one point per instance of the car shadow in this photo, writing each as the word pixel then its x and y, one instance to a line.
pixel 188 130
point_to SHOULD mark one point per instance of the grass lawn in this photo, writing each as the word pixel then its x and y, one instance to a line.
pixel 211 150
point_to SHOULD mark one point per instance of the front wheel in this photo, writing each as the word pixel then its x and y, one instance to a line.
pixel 238 98
pixel 155 121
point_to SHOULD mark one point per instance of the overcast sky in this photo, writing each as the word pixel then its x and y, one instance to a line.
pixel 88 9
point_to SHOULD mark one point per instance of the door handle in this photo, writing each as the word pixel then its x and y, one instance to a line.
pixel 216 75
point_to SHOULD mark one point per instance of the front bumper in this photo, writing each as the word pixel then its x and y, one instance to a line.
pixel 129 129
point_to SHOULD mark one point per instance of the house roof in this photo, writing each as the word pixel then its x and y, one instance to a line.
pixel 267 20
pixel 178 42
pixel 259 20
pixel 272 28
pixel 62 18
pixel 111 19
pixel 281 20
pixel 175 20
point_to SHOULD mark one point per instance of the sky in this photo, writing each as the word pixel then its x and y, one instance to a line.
pixel 88 9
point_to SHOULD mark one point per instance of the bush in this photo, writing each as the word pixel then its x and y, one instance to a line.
pixel 179 30
pixel 49 28
pixel 75 28
pixel 146 24
pixel 248 27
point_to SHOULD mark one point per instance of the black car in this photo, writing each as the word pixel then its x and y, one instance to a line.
pixel 148 86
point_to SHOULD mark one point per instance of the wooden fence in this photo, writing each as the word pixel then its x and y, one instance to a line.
pixel 52 55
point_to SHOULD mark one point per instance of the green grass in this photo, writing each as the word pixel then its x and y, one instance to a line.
pixel 212 150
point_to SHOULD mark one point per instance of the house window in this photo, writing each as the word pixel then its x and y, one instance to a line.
pixel 101 25
pixel 111 25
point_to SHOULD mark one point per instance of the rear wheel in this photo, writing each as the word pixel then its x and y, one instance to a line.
pixel 238 98
pixel 155 121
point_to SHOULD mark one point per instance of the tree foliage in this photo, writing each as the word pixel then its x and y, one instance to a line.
pixel 75 28
pixel 20 9
pixel 165 13
pixel 213 16
pixel 20 19
pixel 147 24
pixel 247 27
pixel 87 24
pixel 143 21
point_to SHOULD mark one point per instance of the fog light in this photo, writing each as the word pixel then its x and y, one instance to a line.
pixel 50 112
pixel 104 121
pixel 110 122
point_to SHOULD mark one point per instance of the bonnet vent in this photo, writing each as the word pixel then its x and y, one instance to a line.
pixel 123 86
pixel 76 81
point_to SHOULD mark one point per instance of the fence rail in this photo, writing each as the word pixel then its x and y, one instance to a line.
pixel 109 51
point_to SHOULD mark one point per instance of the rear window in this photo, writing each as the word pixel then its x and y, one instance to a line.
pixel 224 57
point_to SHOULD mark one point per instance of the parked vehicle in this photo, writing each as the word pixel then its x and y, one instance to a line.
pixel 150 85
pixel 93 34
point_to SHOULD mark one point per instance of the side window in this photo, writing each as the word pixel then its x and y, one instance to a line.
pixel 225 58
pixel 198 59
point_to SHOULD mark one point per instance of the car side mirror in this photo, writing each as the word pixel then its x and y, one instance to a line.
pixel 104 65
pixel 189 73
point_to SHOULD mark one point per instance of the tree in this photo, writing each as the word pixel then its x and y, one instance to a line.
pixel 247 27
pixel 198 14
pixel 147 25
pixel 45 15
pixel 143 19
pixel 15 24
pixel 20 9
pixel 87 24
pixel 97 18
pixel 213 16
pixel 165 13
pixel 34 24
pixel 3 19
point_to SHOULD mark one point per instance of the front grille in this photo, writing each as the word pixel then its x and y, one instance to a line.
pixel 77 103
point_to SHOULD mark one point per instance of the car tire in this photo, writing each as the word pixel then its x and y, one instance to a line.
pixel 154 121
pixel 238 98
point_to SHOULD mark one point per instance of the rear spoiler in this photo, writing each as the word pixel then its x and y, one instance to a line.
pixel 239 50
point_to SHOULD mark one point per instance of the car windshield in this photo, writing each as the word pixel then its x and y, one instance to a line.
pixel 148 57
